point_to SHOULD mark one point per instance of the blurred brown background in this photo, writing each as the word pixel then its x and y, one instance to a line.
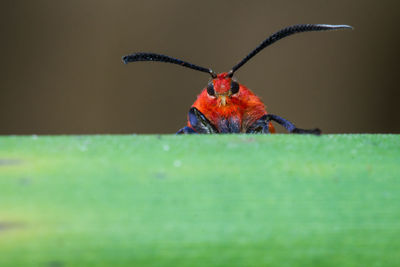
pixel 61 69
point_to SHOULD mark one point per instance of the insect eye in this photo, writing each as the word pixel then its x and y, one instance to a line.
pixel 234 87
pixel 210 89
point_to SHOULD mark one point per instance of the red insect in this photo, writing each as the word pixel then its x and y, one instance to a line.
pixel 225 106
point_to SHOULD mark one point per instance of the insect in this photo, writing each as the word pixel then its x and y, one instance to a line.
pixel 224 105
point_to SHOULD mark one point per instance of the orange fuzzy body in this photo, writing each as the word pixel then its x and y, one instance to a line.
pixel 244 106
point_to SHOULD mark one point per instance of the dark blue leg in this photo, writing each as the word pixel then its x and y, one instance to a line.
pixel 186 130
pixel 258 125
pixel 200 123
pixel 262 126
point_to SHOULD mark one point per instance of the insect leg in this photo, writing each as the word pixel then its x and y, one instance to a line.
pixel 289 126
pixel 186 130
pixel 200 123
pixel 262 125
pixel 258 125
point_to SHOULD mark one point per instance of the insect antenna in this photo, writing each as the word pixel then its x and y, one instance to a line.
pixel 162 58
pixel 284 33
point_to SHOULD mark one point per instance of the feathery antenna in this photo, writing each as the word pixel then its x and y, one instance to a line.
pixel 284 33
pixel 162 58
